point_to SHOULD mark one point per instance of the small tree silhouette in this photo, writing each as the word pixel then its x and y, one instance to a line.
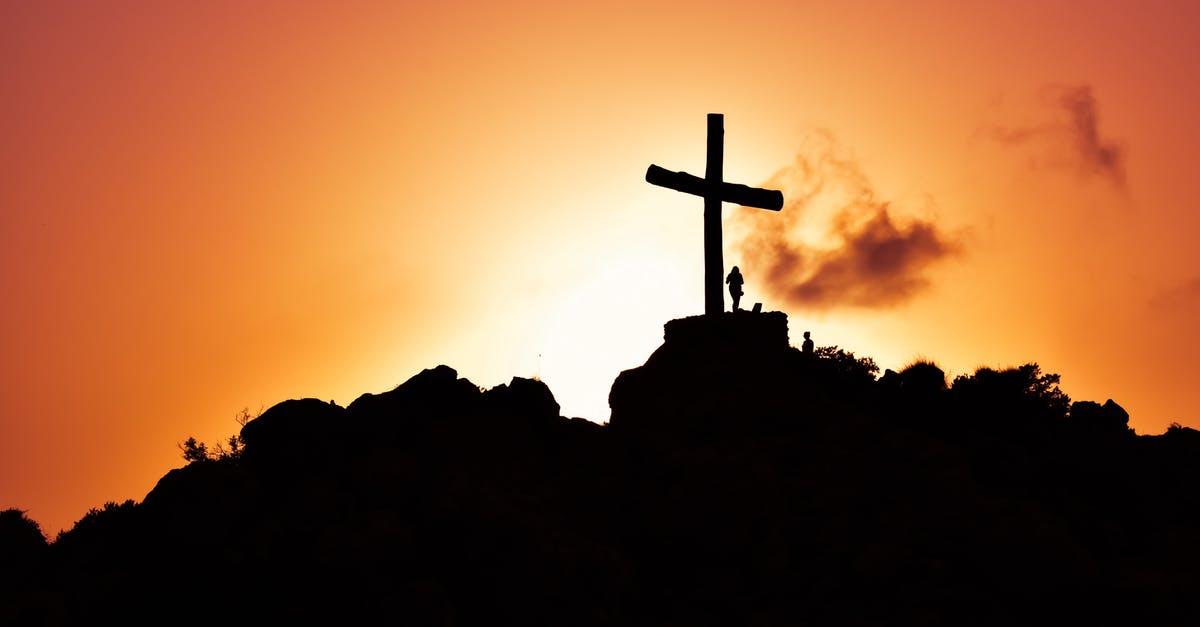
pixel 194 450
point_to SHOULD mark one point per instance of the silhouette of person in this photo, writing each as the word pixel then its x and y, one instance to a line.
pixel 807 347
pixel 735 285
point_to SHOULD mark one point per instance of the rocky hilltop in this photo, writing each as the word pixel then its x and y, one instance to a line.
pixel 739 482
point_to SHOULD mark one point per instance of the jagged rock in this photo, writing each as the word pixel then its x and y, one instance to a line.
pixel 290 432
pixel 1109 418
pixel 529 398
pixel 432 393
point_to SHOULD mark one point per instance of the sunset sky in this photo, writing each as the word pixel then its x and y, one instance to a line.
pixel 210 206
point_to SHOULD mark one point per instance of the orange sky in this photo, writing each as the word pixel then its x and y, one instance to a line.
pixel 216 205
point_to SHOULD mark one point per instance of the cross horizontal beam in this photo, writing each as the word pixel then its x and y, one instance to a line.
pixel 725 192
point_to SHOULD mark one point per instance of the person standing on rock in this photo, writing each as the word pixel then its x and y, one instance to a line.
pixel 807 347
pixel 735 286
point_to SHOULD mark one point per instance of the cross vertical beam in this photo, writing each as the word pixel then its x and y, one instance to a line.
pixel 714 263
pixel 714 191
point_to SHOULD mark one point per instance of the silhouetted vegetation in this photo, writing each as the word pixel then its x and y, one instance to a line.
pixel 739 482
pixel 99 522
pixel 194 451
pixel 19 535
pixel 197 451
pixel 24 587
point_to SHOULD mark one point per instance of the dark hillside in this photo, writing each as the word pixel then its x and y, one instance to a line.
pixel 739 482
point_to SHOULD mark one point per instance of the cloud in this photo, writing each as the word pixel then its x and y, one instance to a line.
pixel 835 244
pixel 1077 127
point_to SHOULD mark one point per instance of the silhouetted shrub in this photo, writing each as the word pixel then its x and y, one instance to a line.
pixel 197 451
pixel 915 394
pixel 98 523
pixel 845 364
pixel 1184 435
pixel 21 537
pixel 922 376
pixel 1017 397
pixel 194 450
pixel 235 448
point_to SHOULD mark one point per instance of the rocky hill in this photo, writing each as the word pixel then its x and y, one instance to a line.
pixel 739 482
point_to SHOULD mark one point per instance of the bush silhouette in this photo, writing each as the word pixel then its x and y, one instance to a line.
pixel 922 377
pixel 1013 400
pixel 22 547
pixel 21 538
pixel 194 451
pixel 99 525
pixel 847 367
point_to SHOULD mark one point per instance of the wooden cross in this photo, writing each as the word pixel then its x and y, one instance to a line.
pixel 714 191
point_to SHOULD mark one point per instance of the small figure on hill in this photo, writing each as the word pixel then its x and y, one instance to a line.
pixel 807 347
pixel 735 286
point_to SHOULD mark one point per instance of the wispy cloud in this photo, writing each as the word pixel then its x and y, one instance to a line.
pixel 1075 124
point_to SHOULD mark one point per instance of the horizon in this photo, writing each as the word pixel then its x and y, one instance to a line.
pixel 223 207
